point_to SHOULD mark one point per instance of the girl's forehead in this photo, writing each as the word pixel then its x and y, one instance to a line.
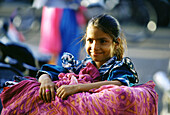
pixel 89 27
pixel 93 31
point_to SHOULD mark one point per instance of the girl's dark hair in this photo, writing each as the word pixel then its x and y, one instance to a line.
pixel 111 26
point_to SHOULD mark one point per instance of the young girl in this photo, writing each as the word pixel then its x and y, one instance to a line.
pixel 104 44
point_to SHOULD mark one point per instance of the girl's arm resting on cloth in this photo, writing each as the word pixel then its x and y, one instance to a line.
pixel 66 90
pixel 88 86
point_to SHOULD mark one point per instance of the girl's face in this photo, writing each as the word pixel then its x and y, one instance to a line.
pixel 99 45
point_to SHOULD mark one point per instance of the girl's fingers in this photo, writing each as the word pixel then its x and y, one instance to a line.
pixel 52 94
pixel 48 95
pixel 44 95
pixel 60 93
pixel 47 92
pixel 63 96
pixel 40 93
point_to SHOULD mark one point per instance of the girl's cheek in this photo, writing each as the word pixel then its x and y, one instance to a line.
pixel 88 50
pixel 87 46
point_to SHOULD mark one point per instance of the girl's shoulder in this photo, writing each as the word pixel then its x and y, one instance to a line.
pixel 127 62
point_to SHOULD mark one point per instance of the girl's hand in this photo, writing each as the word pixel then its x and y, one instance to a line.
pixel 66 90
pixel 47 88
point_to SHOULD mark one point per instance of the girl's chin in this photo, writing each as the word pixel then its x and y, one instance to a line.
pixel 99 59
pixel 96 59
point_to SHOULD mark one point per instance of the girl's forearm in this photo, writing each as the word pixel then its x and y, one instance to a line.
pixel 88 86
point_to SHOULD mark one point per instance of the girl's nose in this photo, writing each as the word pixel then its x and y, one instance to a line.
pixel 95 45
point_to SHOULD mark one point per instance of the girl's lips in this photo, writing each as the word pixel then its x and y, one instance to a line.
pixel 95 54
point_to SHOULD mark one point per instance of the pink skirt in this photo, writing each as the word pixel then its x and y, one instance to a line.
pixel 50 42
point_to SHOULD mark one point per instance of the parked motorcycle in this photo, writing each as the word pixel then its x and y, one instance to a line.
pixel 17 60
pixel 15 56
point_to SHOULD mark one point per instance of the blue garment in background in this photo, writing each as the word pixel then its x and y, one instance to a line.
pixel 70 34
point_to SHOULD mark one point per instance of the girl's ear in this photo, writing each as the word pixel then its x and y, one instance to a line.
pixel 118 42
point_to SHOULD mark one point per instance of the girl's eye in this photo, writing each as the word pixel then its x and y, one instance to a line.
pixel 102 41
pixel 90 40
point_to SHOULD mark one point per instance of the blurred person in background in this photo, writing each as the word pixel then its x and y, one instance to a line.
pixel 60 28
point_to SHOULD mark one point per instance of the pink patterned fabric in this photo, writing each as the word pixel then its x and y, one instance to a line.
pixel 88 74
pixel 23 98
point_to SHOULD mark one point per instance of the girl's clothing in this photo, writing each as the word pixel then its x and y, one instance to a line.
pixel 123 70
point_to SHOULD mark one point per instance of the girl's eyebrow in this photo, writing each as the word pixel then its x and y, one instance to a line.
pixel 103 38
pixel 99 38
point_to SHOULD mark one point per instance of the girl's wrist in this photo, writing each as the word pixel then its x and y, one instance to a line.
pixel 44 77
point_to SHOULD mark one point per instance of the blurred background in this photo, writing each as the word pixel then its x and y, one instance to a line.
pixel 146 24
